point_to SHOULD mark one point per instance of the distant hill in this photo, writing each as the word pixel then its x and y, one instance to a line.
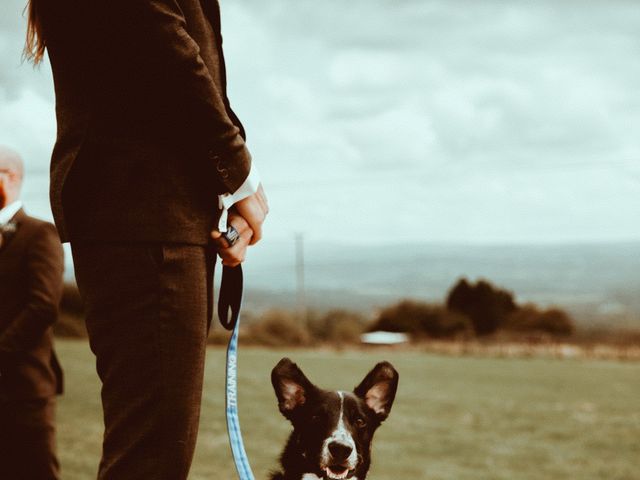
pixel 598 283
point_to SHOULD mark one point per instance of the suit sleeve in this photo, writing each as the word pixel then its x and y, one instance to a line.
pixel 160 27
pixel 45 264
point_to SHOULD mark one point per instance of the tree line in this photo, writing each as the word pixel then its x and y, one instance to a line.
pixel 470 310
pixel 473 309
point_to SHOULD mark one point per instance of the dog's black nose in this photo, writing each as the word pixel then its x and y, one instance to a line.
pixel 339 451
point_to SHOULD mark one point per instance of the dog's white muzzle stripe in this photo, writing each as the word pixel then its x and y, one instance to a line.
pixel 340 435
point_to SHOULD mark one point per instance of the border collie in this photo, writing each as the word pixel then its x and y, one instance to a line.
pixel 332 430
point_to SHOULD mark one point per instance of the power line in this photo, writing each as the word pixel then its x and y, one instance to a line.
pixel 300 288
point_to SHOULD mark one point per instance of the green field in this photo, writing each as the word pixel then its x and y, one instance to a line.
pixel 454 418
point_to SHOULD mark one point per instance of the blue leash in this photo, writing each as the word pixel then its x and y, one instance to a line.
pixel 230 298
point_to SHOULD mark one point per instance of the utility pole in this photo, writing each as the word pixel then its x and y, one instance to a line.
pixel 302 307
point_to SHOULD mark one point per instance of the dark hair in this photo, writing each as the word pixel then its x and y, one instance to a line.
pixel 35 44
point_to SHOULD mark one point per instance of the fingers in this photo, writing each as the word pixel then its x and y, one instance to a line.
pixel 237 222
pixel 254 210
pixel 262 198
pixel 247 217
pixel 233 255
pixel 256 226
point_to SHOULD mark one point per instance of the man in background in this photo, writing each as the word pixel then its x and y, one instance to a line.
pixel 31 268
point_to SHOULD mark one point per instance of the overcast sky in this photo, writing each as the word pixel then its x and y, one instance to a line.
pixel 380 120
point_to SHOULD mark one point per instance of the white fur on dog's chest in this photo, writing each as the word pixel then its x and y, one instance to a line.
pixel 313 476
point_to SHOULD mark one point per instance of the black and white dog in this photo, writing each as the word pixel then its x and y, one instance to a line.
pixel 332 430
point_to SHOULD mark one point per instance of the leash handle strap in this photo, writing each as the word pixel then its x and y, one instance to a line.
pixel 230 299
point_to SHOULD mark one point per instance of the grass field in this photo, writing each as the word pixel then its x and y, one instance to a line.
pixel 454 418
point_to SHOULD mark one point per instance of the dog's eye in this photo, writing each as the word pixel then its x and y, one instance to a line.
pixel 315 418
pixel 361 423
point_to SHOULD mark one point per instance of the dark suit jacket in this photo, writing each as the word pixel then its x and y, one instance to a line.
pixel 31 267
pixel 146 136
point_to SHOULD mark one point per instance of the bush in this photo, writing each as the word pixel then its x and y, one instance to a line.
pixel 70 325
pixel 220 336
pixel 71 318
pixel 487 306
pixel 529 318
pixel 338 327
pixel 405 317
pixel 421 319
pixel 277 328
pixel 71 301
pixel 556 321
pixel 442 323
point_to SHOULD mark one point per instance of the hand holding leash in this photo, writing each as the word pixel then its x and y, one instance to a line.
pixel 254 210
pixel 232 244
pixel 244 228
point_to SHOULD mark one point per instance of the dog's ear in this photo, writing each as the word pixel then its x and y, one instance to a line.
pixel 378 389
pixel 291 386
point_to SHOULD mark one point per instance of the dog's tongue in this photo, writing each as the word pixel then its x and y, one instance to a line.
pixel 337 472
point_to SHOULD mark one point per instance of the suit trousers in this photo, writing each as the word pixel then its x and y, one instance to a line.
pixel 148 309
pixel 27 439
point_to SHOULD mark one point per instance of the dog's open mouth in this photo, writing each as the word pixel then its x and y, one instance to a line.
pixel 338 472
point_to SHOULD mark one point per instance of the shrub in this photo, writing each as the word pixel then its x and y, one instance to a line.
pixel 442 323
pixel 556 321
pixel 71 301
pixel 70 325
pixel 71 319
pixel 487 306
pixel 529 318
pixel 220 336
pixel 420 319
pixel 337 326
pixel 277 328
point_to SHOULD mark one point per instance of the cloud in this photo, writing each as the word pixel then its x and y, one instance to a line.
pixel 27 120
pixel 450 120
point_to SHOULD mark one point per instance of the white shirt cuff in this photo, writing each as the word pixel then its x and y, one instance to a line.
pixel 227 200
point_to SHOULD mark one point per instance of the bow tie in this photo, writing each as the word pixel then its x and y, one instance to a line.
pixel 6 232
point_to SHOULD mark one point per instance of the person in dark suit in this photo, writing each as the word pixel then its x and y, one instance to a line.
pixel 149 169
pixel 31 267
